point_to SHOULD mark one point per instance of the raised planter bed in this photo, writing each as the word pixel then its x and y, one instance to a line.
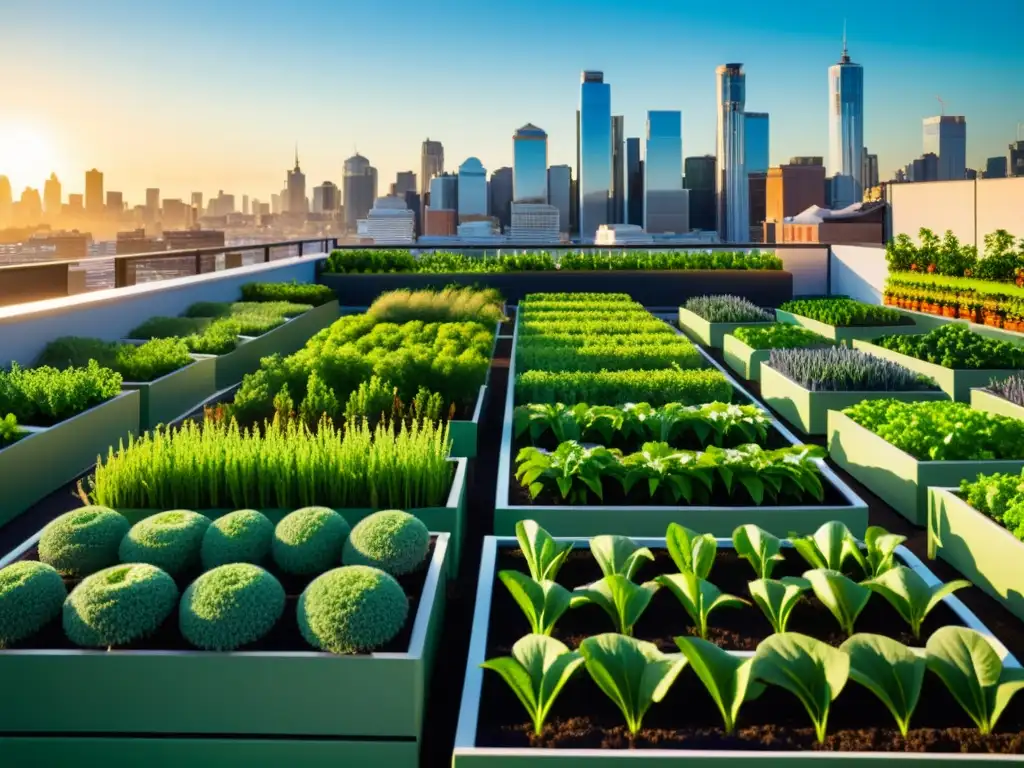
pixel 987 554
pixel 984 400
pixel 957 383
pixel 179 707
pixel 848 333
pixel 707 333
pixel 42 462
pixel 744 360
pixel 929 321
pixel 465 433
pixel 165 399
pixel 896 477
pixel 808 411
pixel 487 736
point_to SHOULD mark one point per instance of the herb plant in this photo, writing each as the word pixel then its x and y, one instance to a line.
pixel 44 396
pixel 889 670
pixel 10 432
pixel 301 293
pixel 779 336
pixel 1000 496
pixel 1011 388
pixel 688 387
pixel 842 312
pixel 956 347
pixel 911 596
pixel 607 354
pixel 135 363
pixel 455 304
pixel 728 678
pixel 727 309
pixel 842 369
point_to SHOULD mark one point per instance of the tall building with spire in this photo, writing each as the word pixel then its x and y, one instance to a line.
pixel 296 186
pixel 731 185
pixel 846 129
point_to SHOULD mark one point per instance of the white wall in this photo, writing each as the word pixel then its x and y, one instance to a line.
pixel 1000 206
pixel 971 209
pixel 809 267
pixel 858 271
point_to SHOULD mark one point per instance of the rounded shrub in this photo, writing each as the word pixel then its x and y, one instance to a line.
pixel 354 609
pixel 168 540
pixel 31 596
pixel 83 541
pixel 309 540
pixel 239 537
pixel 230 606
pixel 392 540
pixel 118 605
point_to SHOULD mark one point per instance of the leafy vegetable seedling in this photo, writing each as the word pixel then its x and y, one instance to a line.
pixel 727 677
pixel 758 547
pixel 691 552
pixel 619 597
pixel 829 547
pixel 844 597
pixel 618 555
pixel 542 602
pixel 890 670
pixel 881 550
pixel 699 597
pixel 544 556
pixel 778 597
pixel 911 595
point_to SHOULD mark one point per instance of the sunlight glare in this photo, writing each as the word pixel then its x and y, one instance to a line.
pixel 26 155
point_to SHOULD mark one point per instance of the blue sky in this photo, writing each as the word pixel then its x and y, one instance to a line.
pixel 205 95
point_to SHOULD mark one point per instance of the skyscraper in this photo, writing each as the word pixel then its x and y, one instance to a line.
pixel 995 168
pixel 431 163
pixel 197 202
pixel 444 193
pixel 665 201
pixel 731 183
pixel 472 188
pixel 405 181
pixel 946 136
pixel 530 165
pixel 115 203
pixel 846 126
pixel 869 177
pixel 5 201
pixel 618 212
pixel 755 129
pixel 330 198
pixel 595 152
pixel 560 193
pixel 52 197
pixel 296 186
pixel 360 187
pixel 1015 159
pixel 634 184
pixel 152 204
pixel 700 183
pixel 501 192
pixel 93 192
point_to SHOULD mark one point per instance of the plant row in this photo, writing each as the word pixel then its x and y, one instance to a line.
pixel 779 336
pixel 44 396
pixel 956 347
pixel 842 312
pixel 948 257
pixel 1011 389
pixel 842 369
pixel 1000 496
pixel 727 309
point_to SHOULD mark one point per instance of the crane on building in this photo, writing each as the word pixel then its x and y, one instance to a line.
pixel 942 106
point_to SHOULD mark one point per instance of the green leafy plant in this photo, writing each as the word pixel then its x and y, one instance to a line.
pixel 973 672
pixel 10 432
pixel 632 673
pixel 544 556
pixel 829 547
pixel 135 362
pixel 691 552
pixel 44 396
pixel 779 336
pixel 31 596
pixel 599 353
pixel 572 468
pixel 956 347
pixel 689 387
pixel 912 596
pixel 618 555
pixel 619 597
pixel 728 678
pixel 243 536
pixel 302 293
pixel 890 670
pixel 727 309
pixel 844 598
pixel 1000 496
pixel 453 304
pixel 230 606
pixel 699 597
pixel 542 602
pixel 811 670
pixel 880 550
pixel 392 540
pixel 777 598
pixel 537 670
pixel 759 548
pixel 842 312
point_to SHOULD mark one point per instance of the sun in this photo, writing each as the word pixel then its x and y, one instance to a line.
pixel 26 154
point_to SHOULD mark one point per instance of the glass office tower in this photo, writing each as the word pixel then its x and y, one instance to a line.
pixel 595 152
pixel 755 129
pixel 846 127
pixel 946 136
pixel 634 183
pixel 530 165
pixel 731 187
pixel 665 202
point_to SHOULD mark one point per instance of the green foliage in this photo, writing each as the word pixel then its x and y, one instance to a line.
pixel 632 673
pixel 687 387
pixel 1000 496
pixel 230 606
pixel 542 602
pixel 537 670
pixel 572 468
pixel 844 598
pixel 320 402
pixel 957 347
pixel 83 541
pixel 119 605
pixel 544 556
pixel 392 540
pixel 135 362
pixel 843 312
pixel 42 397
pixel 201 335
pixel 842 369
pixel 355 609
pixel 779 336
pixel 699 597
pixel 243 536
pixel 948 257
pixel 31 596
pixel 727 677
pixel 973 672
pixel 598 353
pixel 941 430
pixel 620 598
pixel 454 304
pixel 169 540
pixel 759 548
pixel 889 670
pixel 829 547
pixel 301 293
pixel 811 670
pixel 10 432
pixel 880 550
pixel 309 540
pixel 691 552
pixel 589 324
pixel 618 555
pixel 727 309
pixel 582 297
pixel 777 598
pixel 911 596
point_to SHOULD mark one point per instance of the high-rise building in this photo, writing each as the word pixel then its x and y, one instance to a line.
pixel 275 204
pixel 360 186
pixel 115 203
pixel 152 204
pixel 700 182
pixel 245 205
pixel 389 222
pixel 296 186
pixel 405 181
pixel 594 169
pixel 618 200
pixel 5 201
pixel 995 168
pixel 731 185
pixel 31 206
pixel 560 194
pixel 501 190
pixel 175 214
pixel 52 197
pixel 197 201
pixel 846 125
pixel 330 197
pixel 756 144
pixel 1016 159
pixel 431 163
pixel 444 193
pixel 93 192
pixel 634 183
pixel 946 136
pixel 869 175
pixel 665 201
pixel 530 165
pixel 472 188
pixel 807 160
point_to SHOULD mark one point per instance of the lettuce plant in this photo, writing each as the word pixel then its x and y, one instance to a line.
pixel 759 548
pixel 828 547
pixel 619 597
pixel 973 672
pixel 844 597
pixel 911 595
pixel 544 556
pixel 842 312
pixel 699 597
pixel 956 347
pixel 880 550
pixel 888 669
pixel 572 468
pixel 537 670
pixel 777 598
pixel 618 555
pixel 691 552
pixel 632 673
pixel 811 670
pixel 727 677
pixel 542 602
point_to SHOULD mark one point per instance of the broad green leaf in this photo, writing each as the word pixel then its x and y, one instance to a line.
pixel 910 595
pixel 758 547
pixel 726 676
pixel 778 597
pixel 888 669
pixel 618 555
pixel 811 670
pixel 973 672
pixel 699 597
pixel 632 673
pixel 690 551
pixel 543 602
pixel 881 550
pixel 842 596
pixel 619 597
pixel 536 672
pixel 828 547
pixel 544 556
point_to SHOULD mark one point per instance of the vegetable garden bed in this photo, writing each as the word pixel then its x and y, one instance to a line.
pixel 744 360
pixel 858 328
pixel 169 397
pixel 983 399
pixel 708 333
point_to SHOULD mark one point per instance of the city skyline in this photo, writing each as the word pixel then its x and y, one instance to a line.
pixel 211 134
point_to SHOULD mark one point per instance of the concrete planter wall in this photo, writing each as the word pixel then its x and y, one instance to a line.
pixel 742 358
pixel 42 462
pixel 707 333
pixel 989 402
pixel 808 411
pixel 976 545
pixel 464 433
pixel 223 709
pixel 896 477
pixel 171 396
pixel 845 334
pixel 957 383
pixel 929 321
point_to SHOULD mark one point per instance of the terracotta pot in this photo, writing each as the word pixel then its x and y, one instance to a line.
pixel 887 300
pixel 915 304
pixel 1011 325
pixel 935 309
pixel 948 311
